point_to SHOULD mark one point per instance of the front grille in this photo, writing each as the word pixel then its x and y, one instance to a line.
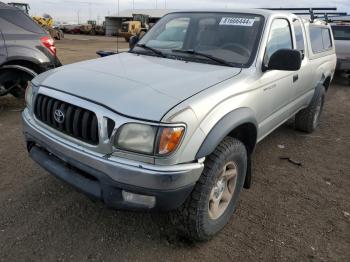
pixel 76 121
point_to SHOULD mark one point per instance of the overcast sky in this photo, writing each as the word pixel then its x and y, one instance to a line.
pixel 68 10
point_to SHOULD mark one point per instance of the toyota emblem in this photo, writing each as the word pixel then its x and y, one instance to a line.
pixel 59 116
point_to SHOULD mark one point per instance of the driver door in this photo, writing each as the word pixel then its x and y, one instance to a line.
pixel 276 86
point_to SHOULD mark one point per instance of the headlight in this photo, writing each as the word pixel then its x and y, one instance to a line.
pixel 137 137
pixel 147 139
pixel 29 95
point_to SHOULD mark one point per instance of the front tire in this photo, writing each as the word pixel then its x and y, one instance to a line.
pixel 215 196
pixel 307 120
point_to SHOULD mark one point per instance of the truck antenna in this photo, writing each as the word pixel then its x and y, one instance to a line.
pixel 117 28
pixel 117 42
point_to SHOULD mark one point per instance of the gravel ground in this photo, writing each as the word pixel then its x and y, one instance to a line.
pixel 291 213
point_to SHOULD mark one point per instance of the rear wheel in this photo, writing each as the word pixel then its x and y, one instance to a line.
pixel 307 120
pixel 14 80
pixel 215 196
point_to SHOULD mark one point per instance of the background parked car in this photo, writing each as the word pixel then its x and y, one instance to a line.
pixel 341 32
pixel 25 50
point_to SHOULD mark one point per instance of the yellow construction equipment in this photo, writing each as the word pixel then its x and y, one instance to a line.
pixel 46 21
pixel 139 25
pixel 92 28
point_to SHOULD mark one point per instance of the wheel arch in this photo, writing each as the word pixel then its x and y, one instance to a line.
pixel 17 69
pixel 327 82
pixel 20 64
pixel 240 124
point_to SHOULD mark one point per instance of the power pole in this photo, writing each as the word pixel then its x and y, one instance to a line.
pixel 78 17
pixel 118 6
pixel 89 10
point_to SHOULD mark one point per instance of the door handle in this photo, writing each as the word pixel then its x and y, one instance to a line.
pixel 295 78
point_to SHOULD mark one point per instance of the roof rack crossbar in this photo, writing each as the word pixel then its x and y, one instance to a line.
pixel 312 12
pixel 304 9
pixel 328 13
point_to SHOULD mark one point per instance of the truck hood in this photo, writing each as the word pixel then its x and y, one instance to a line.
pixel 139 86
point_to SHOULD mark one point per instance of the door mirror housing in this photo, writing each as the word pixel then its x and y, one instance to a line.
pixel 284 59
pixel 133 41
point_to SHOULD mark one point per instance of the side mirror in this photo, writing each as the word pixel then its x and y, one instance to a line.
pixel 133 41
pixel 284 59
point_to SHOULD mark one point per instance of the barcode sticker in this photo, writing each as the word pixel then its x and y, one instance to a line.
pixel 240 21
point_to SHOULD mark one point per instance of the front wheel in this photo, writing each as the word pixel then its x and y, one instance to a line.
pixel 215 196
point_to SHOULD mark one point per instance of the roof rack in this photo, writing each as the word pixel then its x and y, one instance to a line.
pixel 311 12
pixel 304 9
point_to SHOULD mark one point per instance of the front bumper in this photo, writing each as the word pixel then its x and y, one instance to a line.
pixel 105 178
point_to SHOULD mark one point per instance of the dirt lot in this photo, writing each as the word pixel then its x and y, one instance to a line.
pixel 290 214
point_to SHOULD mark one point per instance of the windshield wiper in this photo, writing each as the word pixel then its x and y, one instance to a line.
pixel 155 51
pixel 194 52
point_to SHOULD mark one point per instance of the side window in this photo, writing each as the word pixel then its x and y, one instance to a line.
pixel 299 36
pixel 320 39
pixel 280 38
pixel 326 37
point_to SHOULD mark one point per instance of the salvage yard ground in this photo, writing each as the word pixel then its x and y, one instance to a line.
pixel 291 213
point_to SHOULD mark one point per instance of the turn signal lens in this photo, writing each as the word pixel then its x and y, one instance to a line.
pixel 169 139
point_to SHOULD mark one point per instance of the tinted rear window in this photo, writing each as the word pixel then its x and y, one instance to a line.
pixel 341 32
pixel 20 19
pixel 320 39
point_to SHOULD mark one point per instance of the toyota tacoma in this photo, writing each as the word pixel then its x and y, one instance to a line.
pixel 172 124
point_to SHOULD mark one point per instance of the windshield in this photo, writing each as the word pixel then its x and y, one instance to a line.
pixel 341 32
pixel 229 37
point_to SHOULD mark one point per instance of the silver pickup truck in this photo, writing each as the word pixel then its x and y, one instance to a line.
pixel 172 124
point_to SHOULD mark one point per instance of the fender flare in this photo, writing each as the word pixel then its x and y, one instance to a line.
pixel 18 67
pixel 319 88
pixel 223 127
pixel 13 72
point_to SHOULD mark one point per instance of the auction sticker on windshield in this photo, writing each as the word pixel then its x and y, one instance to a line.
pixel 240 21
